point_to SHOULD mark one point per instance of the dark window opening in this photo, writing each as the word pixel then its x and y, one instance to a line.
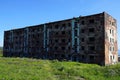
pixel 82 30
pixel 83 56
pixel 63 48
pixel 69 48
pixel 82 39
pixel 91 39
pixel 91 57
pixel 56 48
pixel 75 41
pixel 91 48
pixel 110 31
pixel 56 40
pixel 82 48
pixel 82 22
pixel 63 40
pixel 91 30
pixel 69 24
pixel 76 25
pixel 63 25
pixel 56 33
pixel 75 32
pixel 62 55
pixel 91 21
pixel 69 40
pixel 63 32
pixel 56 26
pixel 69 32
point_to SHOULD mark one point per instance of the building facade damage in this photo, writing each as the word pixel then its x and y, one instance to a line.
pixel 88 39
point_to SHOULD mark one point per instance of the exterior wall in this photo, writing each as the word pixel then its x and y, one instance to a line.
pixel 84 39
pixel 92 38
pixel 111 54
pixel 59 39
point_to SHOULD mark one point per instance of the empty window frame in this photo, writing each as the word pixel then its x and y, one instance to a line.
pixel 56 48
pixel 69 24
pixel 82 39
pixel 91 30
pixel 63 32
pixel 91 47
pixel 56 40
pixel 63 40
pixel 56 26
pixel 82 22
pixel 82 48
pixel 56 33
pixel 76 32
pixel 76 25
pixel 91 21
pixel 63 48
pixel 63 25
pixel 91 39
pixel 82 30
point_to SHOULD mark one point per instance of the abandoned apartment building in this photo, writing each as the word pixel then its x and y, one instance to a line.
pixel 87 39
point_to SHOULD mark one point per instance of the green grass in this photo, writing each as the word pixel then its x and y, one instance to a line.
pixel 33 69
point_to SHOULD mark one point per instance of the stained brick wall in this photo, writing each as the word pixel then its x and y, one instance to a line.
pixel 89 39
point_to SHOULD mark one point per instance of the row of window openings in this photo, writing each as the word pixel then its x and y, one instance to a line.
pixel 62 48
pixel 89 47
pixel 91 39
pixel 62 40
pixel 82 48
pixel 91 21
pixel 91 30
pixel 63 32
pixel 63 25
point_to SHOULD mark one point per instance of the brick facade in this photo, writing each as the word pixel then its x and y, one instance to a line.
pixel 88 39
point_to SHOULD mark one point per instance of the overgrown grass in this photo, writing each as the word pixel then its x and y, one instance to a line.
pixel 33 69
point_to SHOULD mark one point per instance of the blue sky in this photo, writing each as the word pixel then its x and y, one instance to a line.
pixel 21 13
